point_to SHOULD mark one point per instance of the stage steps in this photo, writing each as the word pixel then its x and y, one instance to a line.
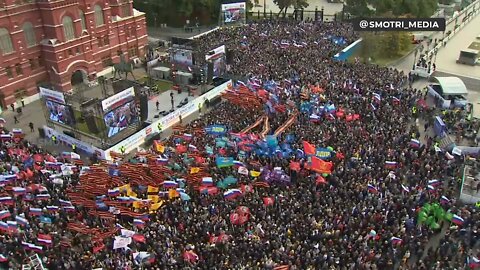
pixel 446 142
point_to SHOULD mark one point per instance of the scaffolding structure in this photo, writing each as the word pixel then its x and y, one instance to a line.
pixel 34 263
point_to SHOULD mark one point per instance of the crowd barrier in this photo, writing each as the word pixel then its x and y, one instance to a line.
pixel 136 140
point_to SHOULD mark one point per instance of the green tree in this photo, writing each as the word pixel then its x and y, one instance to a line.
pixel 283 5
pixel 415 8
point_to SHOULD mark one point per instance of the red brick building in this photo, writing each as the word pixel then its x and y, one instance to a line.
pixel 48 41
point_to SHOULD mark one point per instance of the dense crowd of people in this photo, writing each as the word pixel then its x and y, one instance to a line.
pixel 222 194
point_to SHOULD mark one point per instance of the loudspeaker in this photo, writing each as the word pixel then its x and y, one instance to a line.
pixel 91 124
pixel 214 101
pixel 143 107
pixel 229 55
pixel 72 114
pixel 209 72
pixel 69 133
pixel 41 132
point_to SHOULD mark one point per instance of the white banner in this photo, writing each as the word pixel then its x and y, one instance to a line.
pixel 167 121
pixel 52 95
pixel 121 242
pixel 117 99
pixel 215 52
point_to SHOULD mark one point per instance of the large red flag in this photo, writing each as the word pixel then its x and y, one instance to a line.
pixel 294 166
pixel 309 149
pixel 321 166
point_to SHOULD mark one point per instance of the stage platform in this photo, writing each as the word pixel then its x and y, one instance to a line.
pixel 165 104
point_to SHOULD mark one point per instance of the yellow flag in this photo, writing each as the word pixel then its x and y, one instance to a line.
pixel 254 173
pixel 172 193
pixel 130 193
pixel 160 148
pixel 153 198
pixel 152 189
pixel 194 170
pixel 125 188
pixel 137 204
pixel 155 206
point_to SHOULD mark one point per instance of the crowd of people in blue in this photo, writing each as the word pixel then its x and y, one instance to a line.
pixel 309 163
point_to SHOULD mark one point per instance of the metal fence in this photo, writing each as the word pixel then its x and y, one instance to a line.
pixel 298 15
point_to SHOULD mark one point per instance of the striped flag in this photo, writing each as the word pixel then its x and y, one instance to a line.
pixel 395 240
pixel 458 220
pixel 372 188
pixel 21 220
pixel 444 200
pixel 44 239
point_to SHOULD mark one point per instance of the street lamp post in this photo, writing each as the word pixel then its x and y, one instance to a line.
pixel 264 8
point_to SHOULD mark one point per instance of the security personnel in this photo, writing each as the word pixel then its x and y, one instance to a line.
pixel 160 127
pixel 414 111
pixel 54 139
pixel 74 148
pixel 200 108
pixel 122 149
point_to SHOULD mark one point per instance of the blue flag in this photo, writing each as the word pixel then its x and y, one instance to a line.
pixel 223 162
pixel 216 129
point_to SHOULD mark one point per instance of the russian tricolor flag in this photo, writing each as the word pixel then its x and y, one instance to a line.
pixel 4 214
pixel 52 208
pixel 114 192
pixel 458 220
pixel 162 161
pixel 377 97
pixel 30 246
pixel 21 220
pixel 415 143
pixel 65 203
pixel 372 189
pixel 12 226
pixel 396 240
pixel 35 211
pixel 473 262
pixel 314 118
pixel 434 182
pixel 232 194
pixel 42 197
pixel 238 163
pixel 390 164
pixel 187 137
pixel 396 100
pixel 44 239
pixel 17 131
pixel 170 184
pixel 3 226
pixel 207 181
pixel 126 199
pixel 19 191
pixel 6 200
pixel 5 137
pixel 430 188
pixel 444 200
pixel 8 178
pixel 192 147
pixel 138 223
pixel 68 209
pixel 3 258
pixel 405 189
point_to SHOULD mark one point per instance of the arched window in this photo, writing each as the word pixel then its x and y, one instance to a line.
pixel 98 15
pixel 68 29
pixel 29 33
pixel 82 19
pixel 6 45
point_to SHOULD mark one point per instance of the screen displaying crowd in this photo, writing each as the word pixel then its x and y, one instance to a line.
pixel 307 164
pixel 59 112
pixel 120 118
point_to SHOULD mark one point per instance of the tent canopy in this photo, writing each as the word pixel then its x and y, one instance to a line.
pixel 451 85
